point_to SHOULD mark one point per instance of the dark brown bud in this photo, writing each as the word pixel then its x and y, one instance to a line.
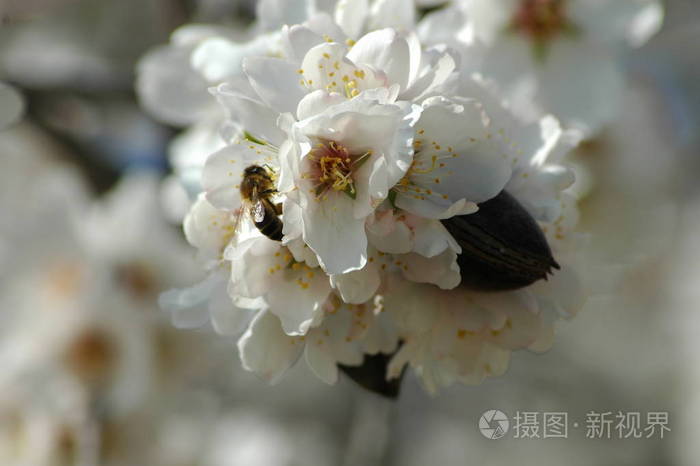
pixel 503 247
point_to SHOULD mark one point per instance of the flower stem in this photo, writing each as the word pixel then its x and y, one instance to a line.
pixel 373 423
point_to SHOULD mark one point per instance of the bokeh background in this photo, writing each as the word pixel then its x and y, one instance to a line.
pixel 92 372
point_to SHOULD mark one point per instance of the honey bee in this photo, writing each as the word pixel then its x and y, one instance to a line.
pixel 503 247
pixel 257 189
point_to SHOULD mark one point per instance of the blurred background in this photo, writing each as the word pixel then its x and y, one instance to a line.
pixel 93 373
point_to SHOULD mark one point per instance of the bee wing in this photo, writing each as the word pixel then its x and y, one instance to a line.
pixel 257 211
pixel 237 222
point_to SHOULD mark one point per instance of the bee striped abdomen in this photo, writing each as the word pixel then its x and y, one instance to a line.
pixel 271 225
pixel 503 247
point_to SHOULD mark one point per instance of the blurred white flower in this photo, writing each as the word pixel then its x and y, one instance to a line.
pixel 89 331
pixel 80 324
pixel 11 105
pixel 42 430
pixel 549 56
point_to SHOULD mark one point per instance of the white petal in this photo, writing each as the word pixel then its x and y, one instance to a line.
pixel 266 350
pixel 188 151
pixel 398 14
pixel 441 270
pixel 443 26
pixel 188 305
pixel 321 362
pixel 389 234
pixel 382 336
pixel 431 206
pixel 325 66
pixel 435 73
pixel 431 238
pixel 170 89
pixel 476 170
pixel 453 168
pixel 359 286
pixel 337 238
pixel 384 50
pixel 300 250
pixel 293 227
pixel 297 297
pixel 317 102
pixel 297 40
pixel 540 192
pixel 192 34
pixel 253 116
pixel 410 305
pixel 206 227
pixel 226 318
pixel 274 14
pixel 190 318
pixel 276 82
pixel 351 16
pixel 564 292
pixel 218 58
pixel 323 24
pixel 254 259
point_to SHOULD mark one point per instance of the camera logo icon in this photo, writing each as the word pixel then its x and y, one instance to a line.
pixel 494 424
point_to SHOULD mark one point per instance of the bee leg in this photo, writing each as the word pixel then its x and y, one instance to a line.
pixel 278 208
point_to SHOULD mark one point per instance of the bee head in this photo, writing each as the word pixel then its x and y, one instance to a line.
pixel 255 170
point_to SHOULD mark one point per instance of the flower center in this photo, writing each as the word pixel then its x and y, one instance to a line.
pixel 541 20
pixel 334 163
pixel 333 168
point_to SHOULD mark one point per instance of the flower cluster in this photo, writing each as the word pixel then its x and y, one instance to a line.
pixel 376 188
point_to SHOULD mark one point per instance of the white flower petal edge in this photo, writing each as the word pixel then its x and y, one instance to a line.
pixel 266 350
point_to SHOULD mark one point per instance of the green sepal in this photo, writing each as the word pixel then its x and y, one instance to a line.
pixel 392 198
pixel 320 189
pixel 350 191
